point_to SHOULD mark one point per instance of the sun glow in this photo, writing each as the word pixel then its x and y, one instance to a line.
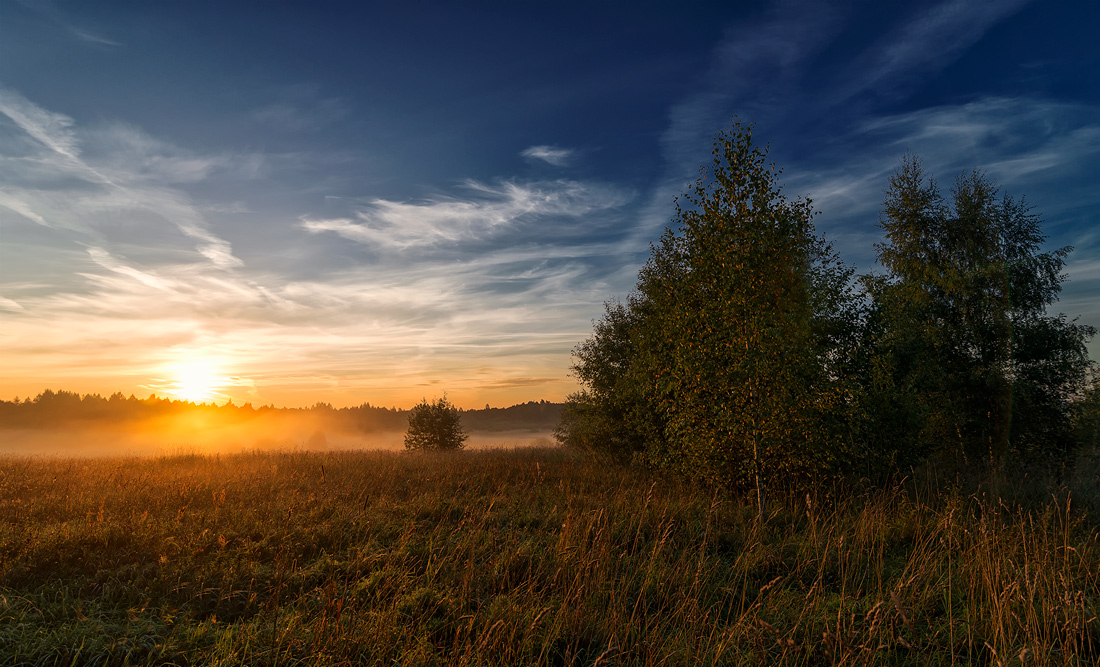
pixel 196 380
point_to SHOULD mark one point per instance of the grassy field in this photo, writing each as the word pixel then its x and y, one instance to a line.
pixel 529 557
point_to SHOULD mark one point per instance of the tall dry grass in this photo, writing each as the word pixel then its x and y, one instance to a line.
pixel 528 557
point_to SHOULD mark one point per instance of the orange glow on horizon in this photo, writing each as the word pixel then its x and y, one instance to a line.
pixel 196 380
pixel 216 376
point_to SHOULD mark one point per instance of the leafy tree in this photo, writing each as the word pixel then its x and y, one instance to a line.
pixel 724 363
pixel 608 416
pixel 962 355
pixel 745 308
pixel 1087 418
pixel 435 426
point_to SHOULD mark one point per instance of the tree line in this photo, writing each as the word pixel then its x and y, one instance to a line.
pixel 749 351
pixel 53 408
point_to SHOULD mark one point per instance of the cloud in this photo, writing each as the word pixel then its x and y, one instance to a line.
pixel 763 70
pixel 300 108
pixel 1014 139
pixel 126 154
pixel 52 130
pixel 1019 142
pixel 304 116
pixel 14 202
pixel 370 331
pixel 1044 150
pixel 89 36
pixel 559 157
pixel 511 383
pixel 838 143
pixel 104 259
pixel 754 71
pixel 129 276
pixel 757 66
pixel 8 304
pixel 931 40
pixel 53 13
pixel 85 181
pixel 487 210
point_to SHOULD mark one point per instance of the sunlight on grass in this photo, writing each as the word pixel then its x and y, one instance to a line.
pixel 528 556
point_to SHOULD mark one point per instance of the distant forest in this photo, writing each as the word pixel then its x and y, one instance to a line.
pixel 65 408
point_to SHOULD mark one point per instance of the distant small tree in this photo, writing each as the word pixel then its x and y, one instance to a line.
pixel 435 426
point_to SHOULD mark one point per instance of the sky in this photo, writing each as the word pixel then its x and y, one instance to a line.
pixel 297 202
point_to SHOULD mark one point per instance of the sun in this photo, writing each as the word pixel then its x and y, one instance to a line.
pixel 196 381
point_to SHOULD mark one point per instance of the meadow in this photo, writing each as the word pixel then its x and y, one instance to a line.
pixel 532 556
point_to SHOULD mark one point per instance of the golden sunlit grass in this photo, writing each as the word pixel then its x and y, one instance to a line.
pixel 527 557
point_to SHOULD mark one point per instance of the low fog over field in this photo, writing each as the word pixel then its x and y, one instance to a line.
pixel 65 424
pixel 160 439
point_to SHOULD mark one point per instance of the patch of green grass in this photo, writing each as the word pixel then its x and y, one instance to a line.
pixel 525 557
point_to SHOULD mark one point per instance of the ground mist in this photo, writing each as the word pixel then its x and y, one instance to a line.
pixel 530 556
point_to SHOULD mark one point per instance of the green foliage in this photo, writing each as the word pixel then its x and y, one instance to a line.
pixel 742 354
pixel 961 355
pixel 1086 418
pixel 435 426
pixel 741 305
pixel 724 363
pixel 610 416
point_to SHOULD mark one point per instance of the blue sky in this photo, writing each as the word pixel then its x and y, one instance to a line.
pixel 296 202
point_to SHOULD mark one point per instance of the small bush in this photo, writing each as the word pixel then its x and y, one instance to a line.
pixel 435 426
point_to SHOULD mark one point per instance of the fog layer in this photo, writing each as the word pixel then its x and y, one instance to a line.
pixel 205 434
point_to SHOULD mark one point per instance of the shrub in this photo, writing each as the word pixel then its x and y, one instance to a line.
pixel 435 426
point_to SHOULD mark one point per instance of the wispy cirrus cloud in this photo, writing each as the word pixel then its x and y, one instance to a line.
pixel 754 72
pixel 499 282
pixel 1043 150
pixel 553 155
pixel 303 116
pixel 755 69
pixel 1032 147
pixel 94 38
pixel 127 155
pixel 841 135
pixel 761 71
pixel 487 210
pixel 8 304
pixel 366 332
pixel 921 46
pixel 1012 138
pixel 59 176
pixel 300 108
pixel 52 130
pixel 50 11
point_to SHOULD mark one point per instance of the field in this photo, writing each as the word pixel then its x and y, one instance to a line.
pixel 530 556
